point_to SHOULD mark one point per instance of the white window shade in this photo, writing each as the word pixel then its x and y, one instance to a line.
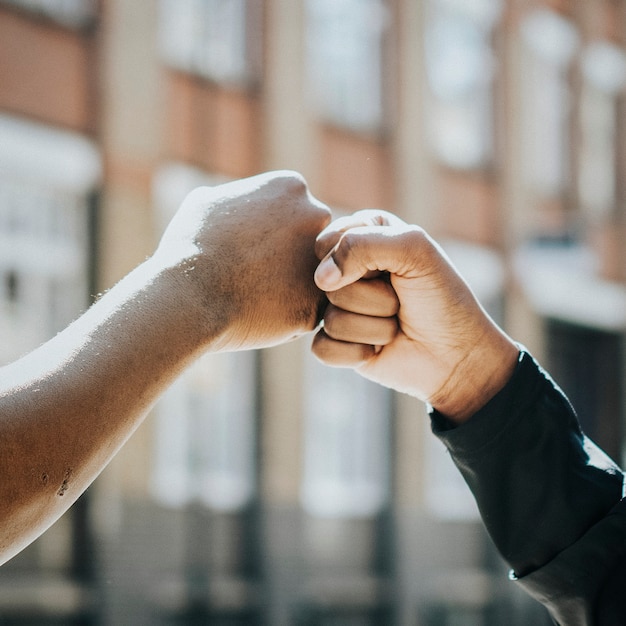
pixel 46 179
pixel 563 284
pixel 54 158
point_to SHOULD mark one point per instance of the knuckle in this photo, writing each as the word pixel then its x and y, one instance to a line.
pixel 419 248
pixel 331 319
pixel 323 245
pixel 336 297
pixel 386 299
pixel 390 308
pixel 339 354
pixel 418 237
pixel 291 181
pixel 319 347
pixel 391 330
pixel 347 248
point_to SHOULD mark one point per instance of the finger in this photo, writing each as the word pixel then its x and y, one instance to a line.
pixel 339 353
pixel 374 297
pixel 354 328
pixel 329 237
pixel 402 250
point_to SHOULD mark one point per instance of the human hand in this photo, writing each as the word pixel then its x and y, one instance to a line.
pixel 246 250
pixel 401 315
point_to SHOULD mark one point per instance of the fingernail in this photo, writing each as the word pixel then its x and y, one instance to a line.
pixel 327 274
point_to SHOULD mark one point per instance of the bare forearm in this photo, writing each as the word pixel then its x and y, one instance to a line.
pixel 233 271
pixel 66 408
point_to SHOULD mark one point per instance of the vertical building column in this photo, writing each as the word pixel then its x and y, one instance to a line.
pixel 414 198
pixel 414 191
pixel 521 321
pixel 289 132
pixel 130 98
pixel 130 133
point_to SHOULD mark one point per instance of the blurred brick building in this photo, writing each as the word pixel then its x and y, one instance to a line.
pixel 265 488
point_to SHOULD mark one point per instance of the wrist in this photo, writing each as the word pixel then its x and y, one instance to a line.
pixel 190 298
pixel 477 377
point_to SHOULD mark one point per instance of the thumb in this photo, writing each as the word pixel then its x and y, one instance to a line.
pixel 363 250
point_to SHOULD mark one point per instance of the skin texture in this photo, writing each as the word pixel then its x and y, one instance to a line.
pixel 233 271
pixel 401 315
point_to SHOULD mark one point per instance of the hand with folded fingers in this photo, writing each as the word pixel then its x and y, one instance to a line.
pixel 401 315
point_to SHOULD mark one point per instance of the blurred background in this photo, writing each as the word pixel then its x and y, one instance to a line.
pixel 265 488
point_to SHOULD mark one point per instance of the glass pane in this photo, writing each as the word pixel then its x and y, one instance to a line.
pixel 208 37
pixel 550 42
pixel 205 435
pixel 460 68
pixel 346 459
pixel 345 60
pixel 43 264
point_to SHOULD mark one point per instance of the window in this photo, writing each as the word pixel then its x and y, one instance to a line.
pixel 347 443
pixel 73 13
pixel 46 182
pixel 205 438
pixel 205 435
pixel 588 363
pixel 460 68
pixel 216 39
pixel 604 77
pixel 345 61
pixel 550 43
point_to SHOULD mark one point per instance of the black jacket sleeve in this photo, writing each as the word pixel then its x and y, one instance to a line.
pixel 549 497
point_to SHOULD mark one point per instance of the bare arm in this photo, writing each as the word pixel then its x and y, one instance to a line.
pixel 233 271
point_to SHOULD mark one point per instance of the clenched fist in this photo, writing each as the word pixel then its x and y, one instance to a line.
pixel 401 315
pixel 247 250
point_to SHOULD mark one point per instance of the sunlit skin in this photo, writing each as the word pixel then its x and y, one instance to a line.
pixel 402 316
pixel 233 271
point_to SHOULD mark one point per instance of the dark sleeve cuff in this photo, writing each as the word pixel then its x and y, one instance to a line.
pixel 485 425
pixel 539 483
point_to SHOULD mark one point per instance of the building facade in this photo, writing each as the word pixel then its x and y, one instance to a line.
pixel 264 487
